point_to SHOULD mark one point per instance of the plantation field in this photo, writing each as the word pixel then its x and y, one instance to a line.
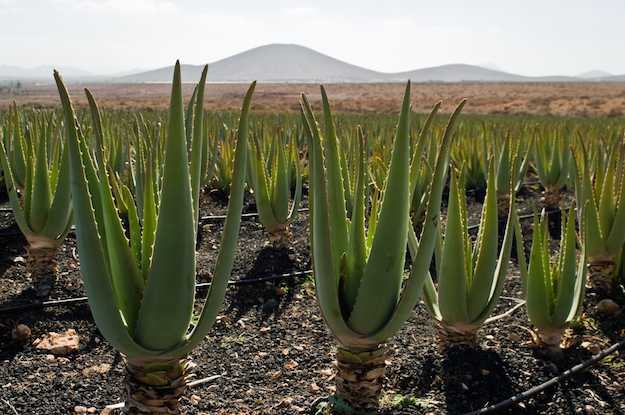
pixel 572 99
pixel 362 255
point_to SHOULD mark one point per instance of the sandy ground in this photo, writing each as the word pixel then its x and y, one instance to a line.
pixel 574 99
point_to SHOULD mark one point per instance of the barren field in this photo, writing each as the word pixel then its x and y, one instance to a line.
pixel 572 99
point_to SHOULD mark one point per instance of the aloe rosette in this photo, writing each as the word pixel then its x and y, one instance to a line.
pixel 142 291
pixel 601 211
pixel 554 288
pixel 470 275
pixel 359 272
pixel 512 162
pixel 37 178
pixel 270 180
pixel 553 162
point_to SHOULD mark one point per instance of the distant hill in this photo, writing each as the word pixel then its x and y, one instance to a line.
pixel 615 78
pixel 595 74
pixel 270 63
pixel 457 73
pixel 294 63
pixel 8 72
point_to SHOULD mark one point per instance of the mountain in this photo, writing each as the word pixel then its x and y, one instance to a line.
pixel 614 78
pixel 595 74
pixel 270 63
pixel 8 72
pixel 457 73
pixel 294 63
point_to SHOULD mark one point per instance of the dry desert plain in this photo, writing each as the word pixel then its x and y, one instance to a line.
pixel 572 99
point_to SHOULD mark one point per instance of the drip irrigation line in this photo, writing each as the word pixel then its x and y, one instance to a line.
pixel 216 218
pixel 203 219
pixel 537 389
pixel 524 217
pixel 82 300
pixel 239 281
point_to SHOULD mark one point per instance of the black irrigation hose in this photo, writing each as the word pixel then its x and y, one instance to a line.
pixel 537 389
pixel 82 300
pixel 521 217
pixel 203 219
pixel 215 218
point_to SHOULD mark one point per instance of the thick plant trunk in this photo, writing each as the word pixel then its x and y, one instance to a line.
pixel 552 197
pixel 156 388
pixel 359 378
pixel 42 268
pixel 549 339
pixel 280 235
pixel 453 336
pixel 601 274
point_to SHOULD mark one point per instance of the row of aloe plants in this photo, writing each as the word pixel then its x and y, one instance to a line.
pixel 136 207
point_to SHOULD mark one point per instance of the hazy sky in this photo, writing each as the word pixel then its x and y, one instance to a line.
pixel 531 37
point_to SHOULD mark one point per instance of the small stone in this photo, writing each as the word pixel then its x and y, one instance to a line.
pixel 514 337
pixel 485 372
pixel 78 409
pixel 464 387
pixel 59 343
pixel 589 410
pixel 291 364
pixel 19 260
pixel 326 372
pixel 607 307
pixel 195 399
pixel 50 357
pixel 313 388
pixel 91 410
pixel 21 333
pixel 96 369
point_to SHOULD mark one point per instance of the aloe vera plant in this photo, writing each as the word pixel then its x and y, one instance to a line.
pixel 554 289
pixel 601 201
pixel 36 169
pixel 220 161
pixel 270 174
pixel 470 276
pixel 421 169
pixel 512 165
pixel 142 291
pixel 358 271
pixel 553 162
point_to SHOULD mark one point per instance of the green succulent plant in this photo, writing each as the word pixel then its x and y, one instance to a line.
pixel 470 275
pixel 270 179
pixel 36 169
pixel 142 290
pixel 359 270
pixel 554 287
pixel 601 211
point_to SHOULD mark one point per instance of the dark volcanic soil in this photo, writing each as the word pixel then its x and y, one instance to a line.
pixel 274 354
